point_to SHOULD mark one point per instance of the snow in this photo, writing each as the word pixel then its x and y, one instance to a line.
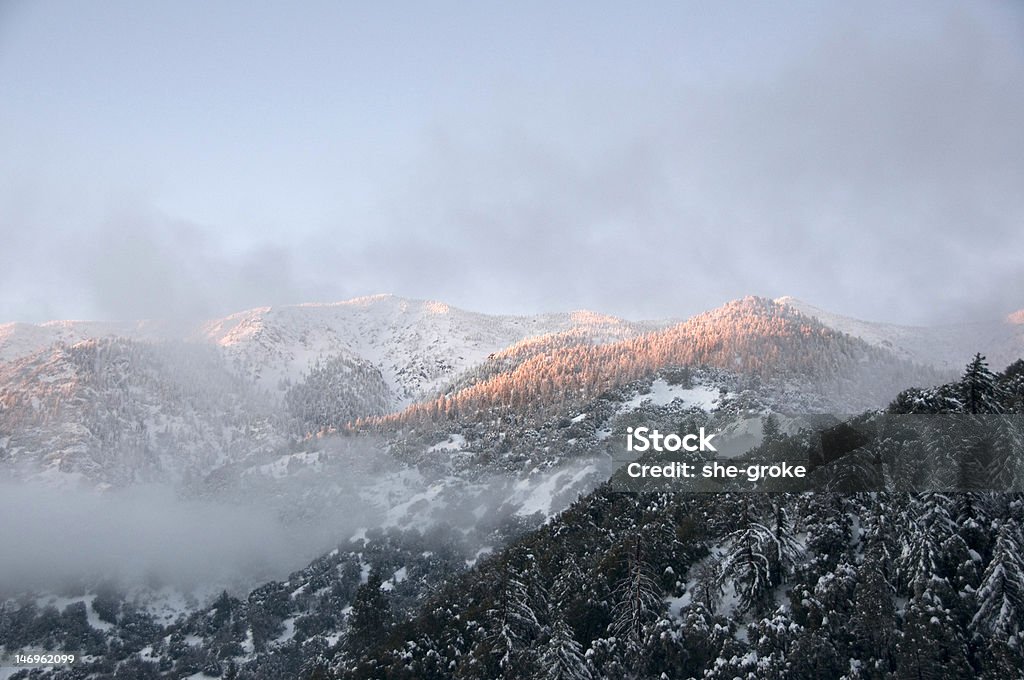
pixel 364 569
pixel 662 394
pixel 455 442
pixel 537 493
pixel 248 644
pixel 395 579
pixel 729 601
pixel 61 603
pixel 22 339
pixel 482 552
pixel 675 605
pixel 944 347
pixel 289 630
pixel 279 468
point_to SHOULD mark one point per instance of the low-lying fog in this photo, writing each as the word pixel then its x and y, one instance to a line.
pixel 146 534
pixel 260 527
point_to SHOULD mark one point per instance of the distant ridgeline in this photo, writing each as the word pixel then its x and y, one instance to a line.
pixel 253 387
pixel 756 337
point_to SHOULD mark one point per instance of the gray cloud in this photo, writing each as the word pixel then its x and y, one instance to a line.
pixel 138 535
pixel 133 261
pixel 876 177
pixel 139 264
pixel 876 174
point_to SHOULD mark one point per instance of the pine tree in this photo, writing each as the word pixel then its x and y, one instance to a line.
pixel 760 558
pixel 748 564
pixel 874 619
pixel 371 613
pixel 638 602
pixel 563 658
pixel 774 636
pixel 770 430
pixel 978 388
pixel 1011 382
pixel 814 655
pixel 926 539
pixel 1001 593
pixel 787 551
pixel 931 646
pixel 514 621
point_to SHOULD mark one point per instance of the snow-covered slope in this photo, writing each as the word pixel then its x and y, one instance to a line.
pixel 112 411
pixel 104 401
pixel 944 347
pixel 22 339
pixel 104 404
pixel 417 345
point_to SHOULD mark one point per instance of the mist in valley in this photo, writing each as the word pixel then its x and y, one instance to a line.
pixel 262 523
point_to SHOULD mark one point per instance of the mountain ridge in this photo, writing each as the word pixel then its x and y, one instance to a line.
pixel 947 347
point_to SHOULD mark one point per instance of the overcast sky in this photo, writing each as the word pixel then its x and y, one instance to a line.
pixel 190 159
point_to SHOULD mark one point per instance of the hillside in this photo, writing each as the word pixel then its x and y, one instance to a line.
pixel 417 345
pixel 113 411
pixel 243 389
pixel 618 585
pixel 764 340
pixel 944 347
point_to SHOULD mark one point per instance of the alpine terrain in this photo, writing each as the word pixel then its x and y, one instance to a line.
pixel 394 488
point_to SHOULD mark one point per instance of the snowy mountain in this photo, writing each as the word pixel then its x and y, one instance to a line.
pixel 761 339
pixel 944 347
pixel 22 339
pixel 888 584
pixel 110 404
pixel 417 345
pixel 112 411
pixel 441 475
pixel 119 407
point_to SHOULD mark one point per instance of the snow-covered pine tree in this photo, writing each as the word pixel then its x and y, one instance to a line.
pixel 759 558
pixel 562 658
pixel 771 432
pixel 637 600
pixel 1001 593
pixel 773 637
pixel 931 646
pixel 513 620
pixel 371 613
pixel 978 388
pixel 925 539
pixel 1011 382
pixel 873 617
pixel 787 550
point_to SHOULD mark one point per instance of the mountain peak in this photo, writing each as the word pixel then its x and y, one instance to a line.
pixel 790 301
pixel 801 306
